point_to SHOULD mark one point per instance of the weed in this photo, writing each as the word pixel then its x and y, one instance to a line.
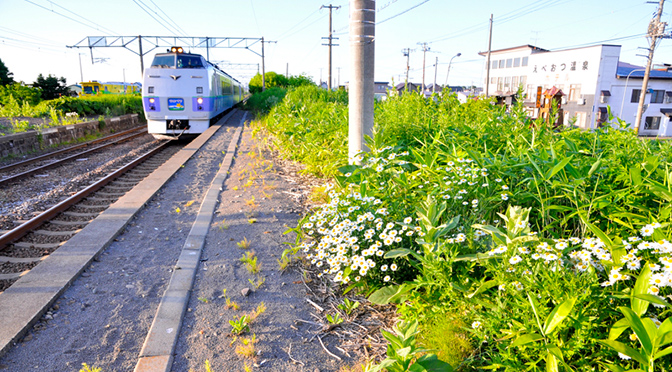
pixel 252 220
pixel 86 368
pixel 203 300
pixel 244 244
pixel 223 225
pixel 348 306
pixel 246 347
pixel 240 325
pixel 207 366
pixel 232 304
pixel 258 311
pixel 257 283
pixel 336 319
pixel 283 262
pixel 189 203
pixel 251 203
pixel 447 336
pixel 251 263
pixel 248 368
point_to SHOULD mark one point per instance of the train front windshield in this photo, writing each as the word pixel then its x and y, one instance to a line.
pixel 181 61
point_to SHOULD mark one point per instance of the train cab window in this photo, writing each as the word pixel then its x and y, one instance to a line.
pixel 164 61
pixel 189 62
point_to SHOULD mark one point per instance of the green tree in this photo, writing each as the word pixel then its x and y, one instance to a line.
pixel 20 93
pixel 273 79
pixel 51 86
pixel 299 80
pixel 6 77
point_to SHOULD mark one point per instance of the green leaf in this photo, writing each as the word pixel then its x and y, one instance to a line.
pixel 638 305
pixel 613 367
pixel 558 314
pixel 618 328
pixel 526 339
pixel 639 328
pixel 484 287
pixel 663 353
pixel 651 298
pixel 558 167
pixel 595 167
pixel 403 352
pixel 534 310
pixel 390 294
pixel 625 349
pixel 431 363
pixel 399 252
pixel 635 175
pixel 551 363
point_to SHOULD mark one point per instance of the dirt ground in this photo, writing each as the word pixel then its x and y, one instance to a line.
pixel 104 317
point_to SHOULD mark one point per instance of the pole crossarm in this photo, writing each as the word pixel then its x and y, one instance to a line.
pixel 168 41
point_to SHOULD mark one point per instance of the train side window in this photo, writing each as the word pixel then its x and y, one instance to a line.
pixel 150 89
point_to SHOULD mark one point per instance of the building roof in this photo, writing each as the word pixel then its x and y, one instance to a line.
pixel 637 72
pixel 521 47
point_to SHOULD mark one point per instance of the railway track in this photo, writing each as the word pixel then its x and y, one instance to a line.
pixel 24 246
pixel 26 168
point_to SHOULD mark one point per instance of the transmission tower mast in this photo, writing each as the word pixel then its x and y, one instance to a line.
pixel 330 38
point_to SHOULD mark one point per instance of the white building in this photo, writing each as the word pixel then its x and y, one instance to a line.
pixel 592 80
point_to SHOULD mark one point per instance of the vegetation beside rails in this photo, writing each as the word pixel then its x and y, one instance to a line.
pixel 516 246
pixel 66 110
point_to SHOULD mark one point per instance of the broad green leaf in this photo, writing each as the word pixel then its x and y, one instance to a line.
pixel 652 299
pixel 558 314
pixel 640 306
pixel 399 252
pixel 558 167
pixel 613 367
pixel 663 353
pixel 389 294
pixel 526 339
pixel 403 352
pixel 551 363
pixel 618 328
pixel 639 329
pixel 625 349
pixel 534 310
pixel 595 167
pixel 635 175
pixel 484 287
pixel 431 363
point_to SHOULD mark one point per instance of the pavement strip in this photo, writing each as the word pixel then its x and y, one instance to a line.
pixel 157 352
pixel 22 304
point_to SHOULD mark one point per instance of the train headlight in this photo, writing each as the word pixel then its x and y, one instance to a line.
pixel 200 100
pixel 151 100
pixel 176 50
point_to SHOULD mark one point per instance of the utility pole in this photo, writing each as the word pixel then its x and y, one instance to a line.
pixel 263 64
pixel 362 36
pixel 407 54
pixel 436 67
pixel 487 61
pixel 339 77
pixel 287 71
pixel 330 38
pixel 656 30
pixel 425 48
pixel 142 62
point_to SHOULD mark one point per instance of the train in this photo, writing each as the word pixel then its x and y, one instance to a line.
pixel 183 93
pixel 95 88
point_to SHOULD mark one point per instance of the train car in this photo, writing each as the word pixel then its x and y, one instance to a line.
pixel 183 92
pixel 95 88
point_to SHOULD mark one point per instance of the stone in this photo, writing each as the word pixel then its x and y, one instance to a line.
pixel 245 292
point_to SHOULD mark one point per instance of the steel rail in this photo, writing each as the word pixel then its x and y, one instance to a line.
pixel 52 212
pixel 59 161
pixel 71 148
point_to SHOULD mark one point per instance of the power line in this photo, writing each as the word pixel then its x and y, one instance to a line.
pixel 151 15
pixel 405 11
pixel 255 16
pixel 62 15
pixel 308 25
pixel 23 34
pixel 84 18
pixel 297 24
pixel 170 19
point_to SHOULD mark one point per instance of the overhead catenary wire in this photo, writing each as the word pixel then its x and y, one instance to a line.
pixel 84 18
pixel 142 6
pixel 65 16
pixel 170 19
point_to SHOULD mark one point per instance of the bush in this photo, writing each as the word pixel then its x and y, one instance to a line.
pixel 18 93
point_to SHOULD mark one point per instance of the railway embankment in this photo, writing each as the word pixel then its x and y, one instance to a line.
pixel 20 144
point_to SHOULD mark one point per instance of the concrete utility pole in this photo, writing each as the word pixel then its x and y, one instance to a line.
pixel 436 68
pixel 487 68
pixel 656 30
pixel 425 48
pixel 407 54
pixel 263 64
pixel 330 38
pixel 362 36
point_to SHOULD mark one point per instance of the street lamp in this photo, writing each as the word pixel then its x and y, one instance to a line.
pixel 625 90
pixel 448 72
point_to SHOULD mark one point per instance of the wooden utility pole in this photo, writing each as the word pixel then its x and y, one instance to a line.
pixel 436 67
pixel 330 38
pixel 407 54
pixel 656 31
pixel 362 36
pixel 487 61
pixel 425 48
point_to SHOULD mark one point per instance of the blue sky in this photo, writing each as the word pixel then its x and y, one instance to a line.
pixel 34 34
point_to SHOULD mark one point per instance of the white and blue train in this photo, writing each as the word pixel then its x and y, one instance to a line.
pixel 183 92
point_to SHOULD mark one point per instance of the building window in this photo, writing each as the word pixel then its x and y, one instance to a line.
pixel 501 63
pixel 657 96
pixel 509 63
pixel 507 83
pixel 523 80
pixel 652 123
pixel 574 92
pixel 524 62
pixel 635 95
pixel 493 80
pixel 500 83
pixel 516 62
pixel 514 82
pixel 494 64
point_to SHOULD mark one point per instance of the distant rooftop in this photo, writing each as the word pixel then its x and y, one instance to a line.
pixel 637 72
